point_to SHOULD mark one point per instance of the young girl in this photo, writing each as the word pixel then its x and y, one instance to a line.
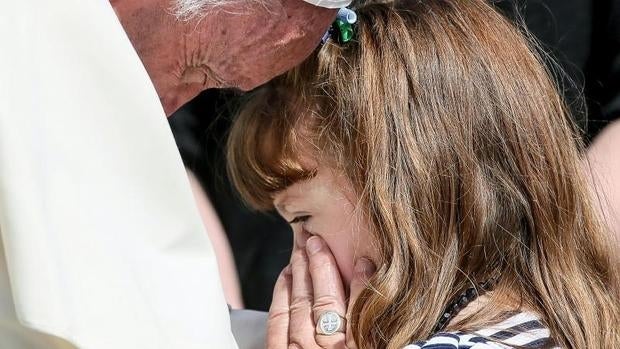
pixel 436 145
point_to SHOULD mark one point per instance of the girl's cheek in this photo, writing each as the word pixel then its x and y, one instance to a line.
pixel 343 255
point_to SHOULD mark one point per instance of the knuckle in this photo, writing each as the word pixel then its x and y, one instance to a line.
pixel 284 274
pixel 300 307
pixel 277 316
pixel 305 342
pixel 300 330
pixel 298 258
pixel 303 345
pixel 326 301
pixel 336 341
pixel 301 302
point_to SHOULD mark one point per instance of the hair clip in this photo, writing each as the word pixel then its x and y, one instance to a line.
pixel 342 30
pixel 347 15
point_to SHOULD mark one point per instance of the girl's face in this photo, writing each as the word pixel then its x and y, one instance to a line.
pixel 327 206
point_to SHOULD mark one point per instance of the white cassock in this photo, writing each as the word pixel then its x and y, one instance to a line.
pixel 102 242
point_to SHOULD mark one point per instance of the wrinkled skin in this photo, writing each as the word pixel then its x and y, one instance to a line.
pixel 332 260
pixel 232 46
pixel 333 214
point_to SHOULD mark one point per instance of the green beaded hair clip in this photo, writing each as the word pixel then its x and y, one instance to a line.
pixel 343 28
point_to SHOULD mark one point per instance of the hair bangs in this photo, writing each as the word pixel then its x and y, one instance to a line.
pixel 264 157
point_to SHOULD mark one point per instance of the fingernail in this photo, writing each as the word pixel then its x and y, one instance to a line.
pixel 365 266
pixel 314 245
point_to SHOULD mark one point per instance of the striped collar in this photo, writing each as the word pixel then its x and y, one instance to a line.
pixel 522 330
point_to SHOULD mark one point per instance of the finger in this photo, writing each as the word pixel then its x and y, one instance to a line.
pixel 278 321
pixel 363 271
pixel 300 238
pixel 301 326
pixel 327 288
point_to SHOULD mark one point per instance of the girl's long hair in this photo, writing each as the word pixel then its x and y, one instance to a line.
pixel 442 115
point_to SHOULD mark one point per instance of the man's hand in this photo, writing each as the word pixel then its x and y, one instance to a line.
pixel 307 289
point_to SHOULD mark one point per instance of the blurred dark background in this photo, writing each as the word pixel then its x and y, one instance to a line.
pixel 583 36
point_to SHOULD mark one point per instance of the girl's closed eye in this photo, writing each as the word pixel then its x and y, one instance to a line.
pixel 299 219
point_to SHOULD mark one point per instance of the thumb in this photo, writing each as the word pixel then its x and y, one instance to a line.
pixel 363 271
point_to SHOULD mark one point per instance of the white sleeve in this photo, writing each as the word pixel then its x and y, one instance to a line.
pixel 330 3
pixel 103 243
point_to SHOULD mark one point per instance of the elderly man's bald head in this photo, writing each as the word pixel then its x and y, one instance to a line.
pixel 191 8
pixel 219 43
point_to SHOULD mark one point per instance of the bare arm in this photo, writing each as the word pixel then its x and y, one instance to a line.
pixel 604 162
pixel 223 253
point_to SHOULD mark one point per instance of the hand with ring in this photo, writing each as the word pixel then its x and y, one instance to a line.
pixel 309 308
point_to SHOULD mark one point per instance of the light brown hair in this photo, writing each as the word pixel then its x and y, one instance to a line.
pixel 467 164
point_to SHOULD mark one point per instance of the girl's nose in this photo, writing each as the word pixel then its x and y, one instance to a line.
pixel 300 237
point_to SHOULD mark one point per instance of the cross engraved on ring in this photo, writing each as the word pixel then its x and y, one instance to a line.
pixel 329 322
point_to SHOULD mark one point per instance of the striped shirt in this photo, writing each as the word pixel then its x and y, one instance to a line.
pixel 523 330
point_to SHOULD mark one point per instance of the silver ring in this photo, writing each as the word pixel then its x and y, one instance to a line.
pixel 330 323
